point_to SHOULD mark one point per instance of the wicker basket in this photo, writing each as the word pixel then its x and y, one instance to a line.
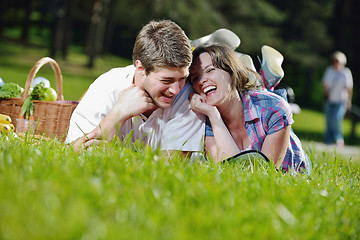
pixel 52 118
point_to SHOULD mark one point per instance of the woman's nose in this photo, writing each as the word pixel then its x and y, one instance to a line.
pixel 202 79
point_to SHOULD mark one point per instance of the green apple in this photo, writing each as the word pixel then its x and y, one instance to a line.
pixel 50 94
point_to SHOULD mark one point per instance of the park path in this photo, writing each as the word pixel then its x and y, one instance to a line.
pixel 349 151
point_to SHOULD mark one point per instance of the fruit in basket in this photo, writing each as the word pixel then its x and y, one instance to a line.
pixel 5 128
pixel 38 80
pixel 5 124
pixel 50 94
pixel 5 119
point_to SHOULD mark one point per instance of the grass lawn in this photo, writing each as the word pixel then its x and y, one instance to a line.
pixel 127 191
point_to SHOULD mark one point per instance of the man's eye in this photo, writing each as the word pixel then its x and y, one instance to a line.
pixel 166 81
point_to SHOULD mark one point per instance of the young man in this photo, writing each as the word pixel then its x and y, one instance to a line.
pixel 148 99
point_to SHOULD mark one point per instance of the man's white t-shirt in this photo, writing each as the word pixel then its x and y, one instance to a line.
pixel 174 128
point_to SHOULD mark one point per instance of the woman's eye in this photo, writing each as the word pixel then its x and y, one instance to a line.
pixel 210 70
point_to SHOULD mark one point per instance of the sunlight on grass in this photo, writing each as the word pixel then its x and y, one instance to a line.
pixel 127 191
pixel 310 125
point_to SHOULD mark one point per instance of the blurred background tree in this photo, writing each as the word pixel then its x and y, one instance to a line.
pixel 305 32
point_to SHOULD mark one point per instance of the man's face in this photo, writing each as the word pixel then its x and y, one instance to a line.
pixel 164 84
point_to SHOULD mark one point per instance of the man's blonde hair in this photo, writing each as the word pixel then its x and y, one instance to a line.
pixel 162 44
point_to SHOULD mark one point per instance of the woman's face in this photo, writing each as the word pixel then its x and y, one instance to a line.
pixel 211 83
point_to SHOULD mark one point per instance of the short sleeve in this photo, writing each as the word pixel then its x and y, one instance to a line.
pixel 349 78
pixel 279 117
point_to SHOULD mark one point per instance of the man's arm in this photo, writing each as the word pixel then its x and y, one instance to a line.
pixel 131 102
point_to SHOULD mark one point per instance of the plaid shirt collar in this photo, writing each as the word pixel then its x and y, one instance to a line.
pixel 249 107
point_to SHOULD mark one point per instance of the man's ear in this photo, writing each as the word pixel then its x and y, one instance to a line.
pixel 139 67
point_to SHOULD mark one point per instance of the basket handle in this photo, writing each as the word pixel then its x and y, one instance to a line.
pixel 35 69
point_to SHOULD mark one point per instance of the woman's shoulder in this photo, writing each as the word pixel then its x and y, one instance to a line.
pixel 264 99
pixel 264 96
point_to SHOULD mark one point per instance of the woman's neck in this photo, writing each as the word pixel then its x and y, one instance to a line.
pixel 232 112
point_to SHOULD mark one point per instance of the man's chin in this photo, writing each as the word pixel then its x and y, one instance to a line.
pixel 164 104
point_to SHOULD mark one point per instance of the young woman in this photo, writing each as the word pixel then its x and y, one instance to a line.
pixel 240 115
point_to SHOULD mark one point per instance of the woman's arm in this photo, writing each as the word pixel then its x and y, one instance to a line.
pixel 275 145
pixel 222 145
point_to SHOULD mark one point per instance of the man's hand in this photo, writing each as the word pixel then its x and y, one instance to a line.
pixel 88 140
pixel 132 101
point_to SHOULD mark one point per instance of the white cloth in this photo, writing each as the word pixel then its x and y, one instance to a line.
pixel 338 82
pixel 174 128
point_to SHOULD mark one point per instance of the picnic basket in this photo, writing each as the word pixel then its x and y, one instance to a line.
pixel 52 118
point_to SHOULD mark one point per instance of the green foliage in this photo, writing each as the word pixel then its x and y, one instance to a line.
pixel 127 191
pixel 27 109
pixel 10 90
pixel 38 92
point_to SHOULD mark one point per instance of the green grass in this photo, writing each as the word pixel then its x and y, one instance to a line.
pixel 125 191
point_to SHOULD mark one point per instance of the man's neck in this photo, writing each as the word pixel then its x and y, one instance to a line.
pixel 149 112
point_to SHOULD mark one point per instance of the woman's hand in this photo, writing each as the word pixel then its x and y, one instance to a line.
pixel 199 105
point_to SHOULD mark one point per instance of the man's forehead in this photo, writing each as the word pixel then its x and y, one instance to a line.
pixel 171 72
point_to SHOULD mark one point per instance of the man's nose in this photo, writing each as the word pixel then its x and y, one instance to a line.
pixel 175 88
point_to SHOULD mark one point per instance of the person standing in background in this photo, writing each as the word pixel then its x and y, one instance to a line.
pixel 337 84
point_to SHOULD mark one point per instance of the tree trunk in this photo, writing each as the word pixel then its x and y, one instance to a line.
pixel 67 31
pixel 97 30
pixel 26 20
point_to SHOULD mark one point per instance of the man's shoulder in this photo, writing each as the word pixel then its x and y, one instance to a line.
pixel 115 77
pixel 119 72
